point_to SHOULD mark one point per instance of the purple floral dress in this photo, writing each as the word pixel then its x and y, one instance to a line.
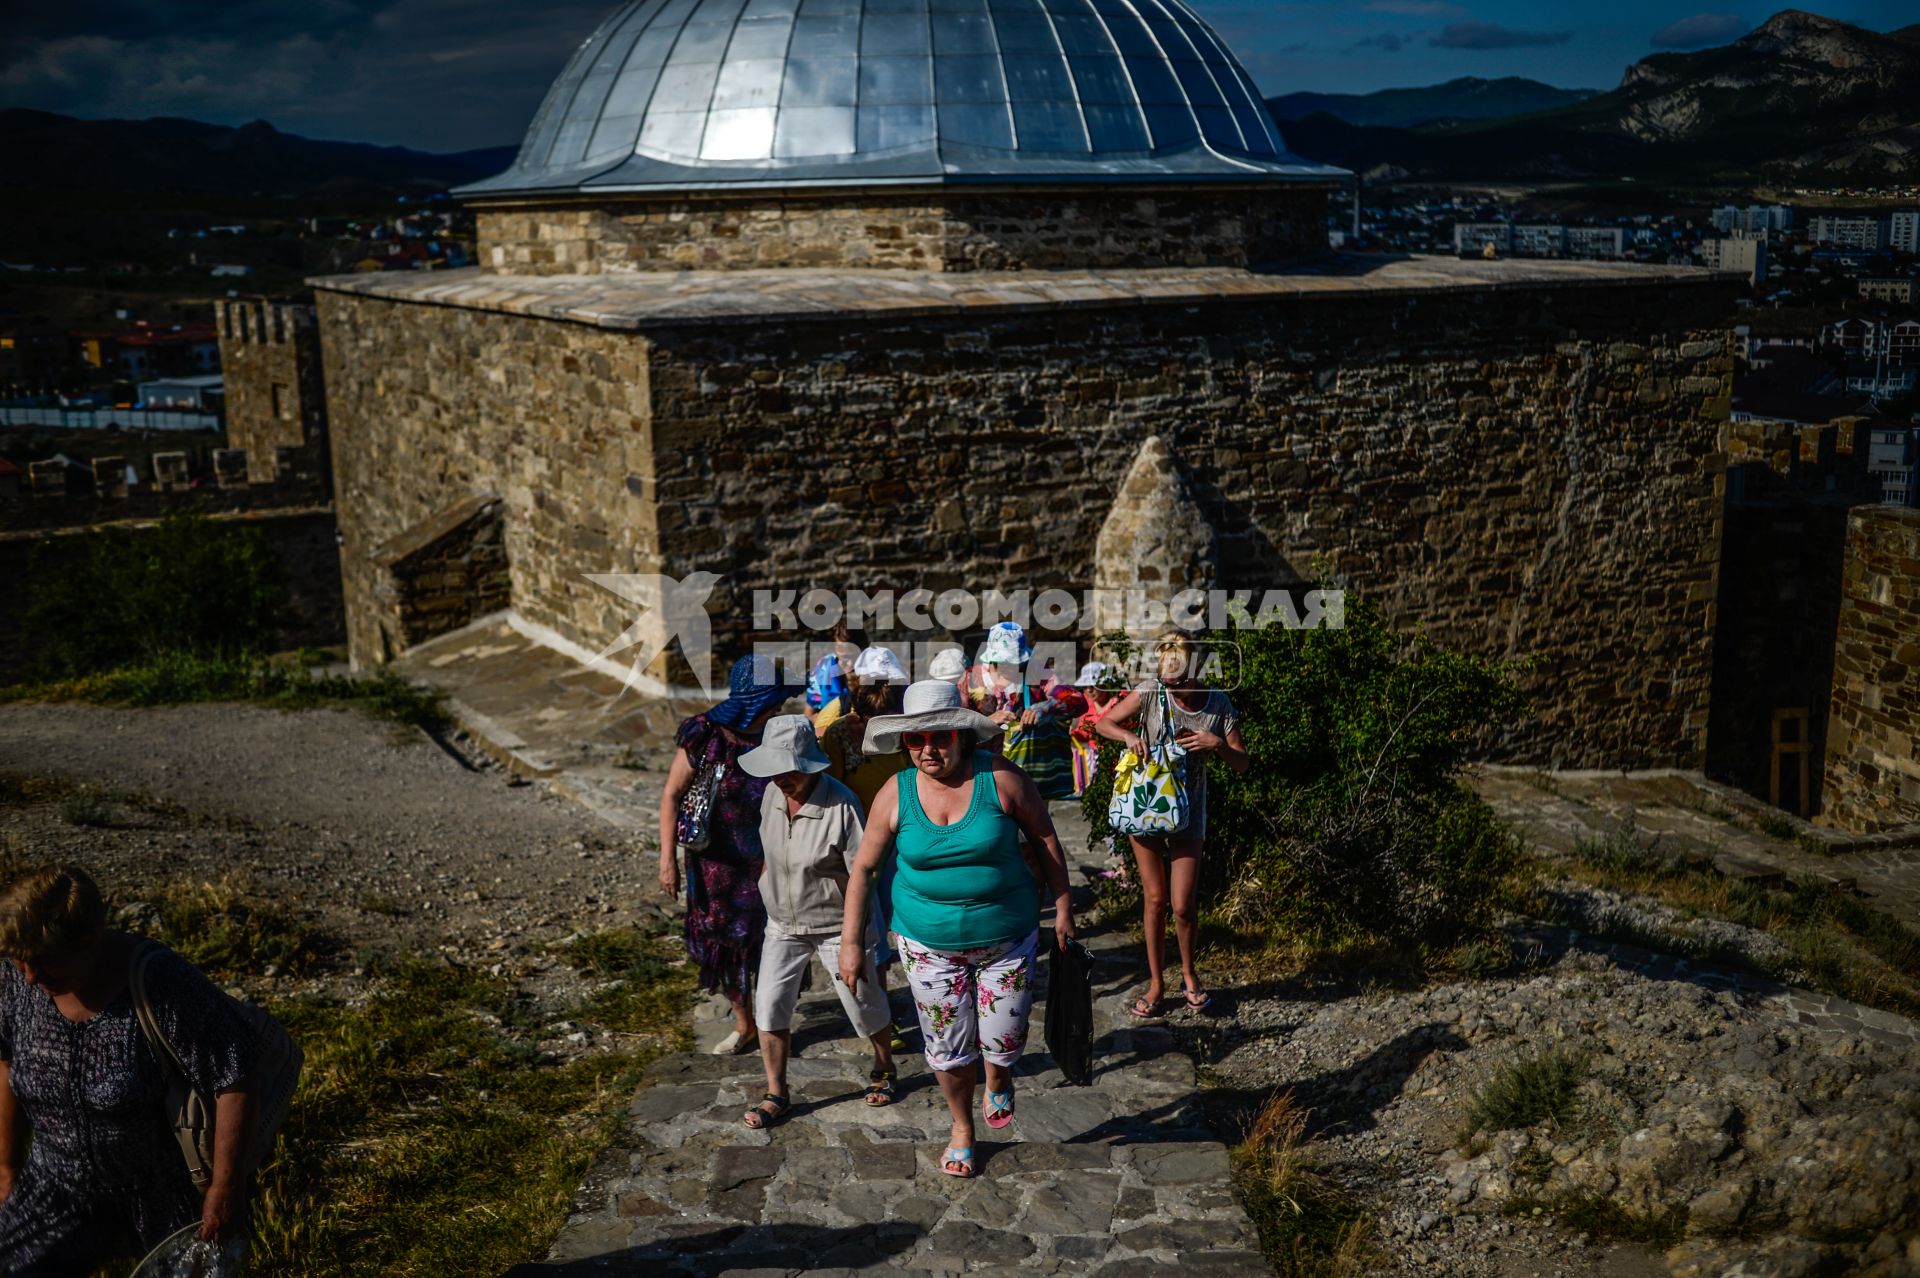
pixel 104 1177
pixel 725 919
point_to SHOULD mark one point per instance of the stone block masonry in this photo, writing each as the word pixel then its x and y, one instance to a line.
pixel 943 230
pixel 1873 729
pixel 1522 459
pixel 276 395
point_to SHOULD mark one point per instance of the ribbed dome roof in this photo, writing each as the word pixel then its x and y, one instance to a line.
pixel 706 94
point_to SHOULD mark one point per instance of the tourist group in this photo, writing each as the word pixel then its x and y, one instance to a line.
pixel 892 822
pixel 908 822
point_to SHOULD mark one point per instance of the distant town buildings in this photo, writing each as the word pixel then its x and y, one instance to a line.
pixel 1755 217
pixel 1743 251
pixel 200 394
pixel 1859 338
pixel 1763 349
pixel 1471 239
pixel 1886 288
pixel 1903 231
pixel 148 350
pixel 1596 241
pixel 1892 457
pixel 1879 378
pixel 1867 233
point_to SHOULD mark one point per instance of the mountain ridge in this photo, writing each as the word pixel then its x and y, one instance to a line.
pixel 1463 98
pixel 1801 97
pixel 169 154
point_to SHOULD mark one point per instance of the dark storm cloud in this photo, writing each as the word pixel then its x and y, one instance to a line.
pixel 1385 41
pixel 1701 30
pixel 440 74
pixel 1491 35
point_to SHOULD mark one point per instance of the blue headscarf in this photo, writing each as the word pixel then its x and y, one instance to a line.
pixel 753 685
pixel 825 683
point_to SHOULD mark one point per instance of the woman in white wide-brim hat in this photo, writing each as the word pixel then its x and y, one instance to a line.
pixel 964 906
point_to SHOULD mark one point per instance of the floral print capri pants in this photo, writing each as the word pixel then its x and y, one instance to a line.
pixel 972 1003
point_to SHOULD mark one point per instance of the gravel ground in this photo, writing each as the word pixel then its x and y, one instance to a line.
pixel 1761 1127
pixel 374 832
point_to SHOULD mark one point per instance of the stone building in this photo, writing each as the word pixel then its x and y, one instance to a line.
pixel 275 390
pixel 883 293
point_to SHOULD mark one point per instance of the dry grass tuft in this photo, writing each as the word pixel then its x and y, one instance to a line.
pixel 1310 1226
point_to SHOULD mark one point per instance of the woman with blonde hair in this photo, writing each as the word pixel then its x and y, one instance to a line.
pixel 1203 721
pixel 103 1178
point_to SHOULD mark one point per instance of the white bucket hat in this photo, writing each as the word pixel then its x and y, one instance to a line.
pixel 1090 675
pixel 788 745
pixel 931 705
pixel 948 664
pixel 879 665
pixel 1006 645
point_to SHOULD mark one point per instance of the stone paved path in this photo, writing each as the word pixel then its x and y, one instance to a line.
pixel 1122 1178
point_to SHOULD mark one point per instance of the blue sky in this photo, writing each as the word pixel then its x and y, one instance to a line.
pixel 451 74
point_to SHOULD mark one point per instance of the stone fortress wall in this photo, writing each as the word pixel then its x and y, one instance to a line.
pixel 1520 462
pixel 943 230
pixel 1873 735
pixel 276 392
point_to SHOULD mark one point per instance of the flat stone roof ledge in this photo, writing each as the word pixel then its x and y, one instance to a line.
pixel 645 300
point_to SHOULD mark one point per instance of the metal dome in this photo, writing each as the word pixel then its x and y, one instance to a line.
pixel 690 95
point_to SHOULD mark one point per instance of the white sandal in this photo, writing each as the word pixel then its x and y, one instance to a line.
pixel 736 1044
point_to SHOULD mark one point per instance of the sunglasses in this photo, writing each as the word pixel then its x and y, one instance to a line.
pixel 921 740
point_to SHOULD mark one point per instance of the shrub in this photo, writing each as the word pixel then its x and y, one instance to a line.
pixel 1353 823
pixel 88 808
pixel 1528 1091
pixel 122 596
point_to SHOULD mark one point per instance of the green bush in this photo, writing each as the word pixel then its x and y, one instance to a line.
pixel 88 808
pixel 1529 1091
pixel 1353 822
pixel 122 596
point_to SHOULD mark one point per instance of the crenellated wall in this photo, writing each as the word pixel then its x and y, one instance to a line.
pixel 1523 460
pixel 276 394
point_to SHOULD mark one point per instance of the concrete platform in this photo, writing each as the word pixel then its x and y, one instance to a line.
pixel 546 717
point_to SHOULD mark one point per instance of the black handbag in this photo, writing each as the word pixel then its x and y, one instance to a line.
pixel 1069 1025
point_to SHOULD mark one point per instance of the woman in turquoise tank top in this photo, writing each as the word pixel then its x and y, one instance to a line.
pixel 964 905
